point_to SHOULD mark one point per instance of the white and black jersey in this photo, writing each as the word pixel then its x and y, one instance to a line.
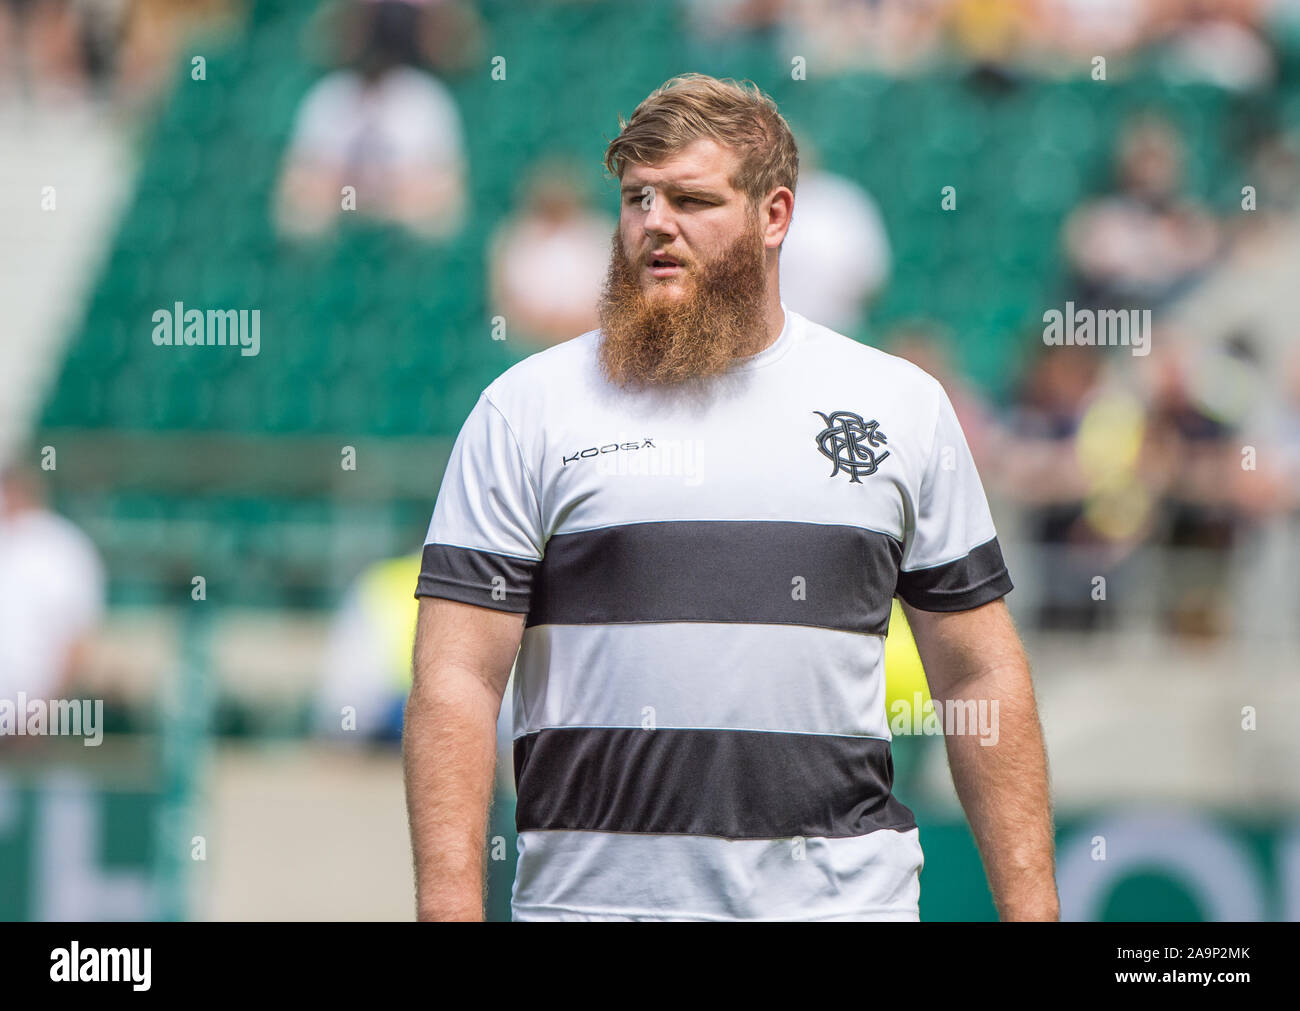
pixel 707 573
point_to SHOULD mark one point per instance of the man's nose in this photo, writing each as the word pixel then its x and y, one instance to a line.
pixel 658 217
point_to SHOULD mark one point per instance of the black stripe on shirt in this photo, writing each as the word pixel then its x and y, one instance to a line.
pixel 735 784
pixel 485 578
pixel 974 579
pixel 719 571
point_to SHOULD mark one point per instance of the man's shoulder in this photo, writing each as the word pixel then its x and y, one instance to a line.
pixel 838 351
pixel 561 368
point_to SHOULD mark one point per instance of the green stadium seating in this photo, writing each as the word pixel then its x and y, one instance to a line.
pixel 371 335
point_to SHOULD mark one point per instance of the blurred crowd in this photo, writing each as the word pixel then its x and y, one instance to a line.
pixel 1171 458
pixel 1138 492
pixel 120 51
pixel 1224 41
pixel 127 47
pixel 1190 444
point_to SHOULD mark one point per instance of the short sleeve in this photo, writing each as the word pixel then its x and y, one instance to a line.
pixel 951 557
pixel 485 541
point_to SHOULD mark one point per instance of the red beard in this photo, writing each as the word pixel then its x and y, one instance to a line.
pixel 659 342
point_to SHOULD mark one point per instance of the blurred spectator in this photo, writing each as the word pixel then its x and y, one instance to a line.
pixel 548 260
pixel 714 20
pixel 368 654
pixel 111 49
pixel 100 27
pixel 1146 243
pixel 444 36
pixel 1275 164
pixel 144 43
pixel 1068 34
pixel 1253 289
pixel 39 40
pixel 389 132
pixel 887 36
pixel 450 35
pixel 367 664
pixel 1215 41
pixel 836 257
pixel 991 34
pixel 52 588
pixel 1073 459
pixel 1203 506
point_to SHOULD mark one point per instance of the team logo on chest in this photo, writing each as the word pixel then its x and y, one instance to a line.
pixel 851 443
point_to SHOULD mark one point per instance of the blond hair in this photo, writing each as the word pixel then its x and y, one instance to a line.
pixel 734 113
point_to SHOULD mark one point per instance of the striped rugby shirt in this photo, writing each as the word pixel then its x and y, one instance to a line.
pixel 707 573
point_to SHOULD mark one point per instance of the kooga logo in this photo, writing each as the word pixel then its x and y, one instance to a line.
pixel 609 447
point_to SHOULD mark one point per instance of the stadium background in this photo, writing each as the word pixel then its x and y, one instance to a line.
pixel 187 462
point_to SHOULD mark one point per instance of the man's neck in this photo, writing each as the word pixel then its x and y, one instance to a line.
pixel 774 323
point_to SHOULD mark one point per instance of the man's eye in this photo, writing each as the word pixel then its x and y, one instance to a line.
pixel 637 198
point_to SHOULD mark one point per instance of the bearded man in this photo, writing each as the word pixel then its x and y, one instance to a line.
pixel 699 701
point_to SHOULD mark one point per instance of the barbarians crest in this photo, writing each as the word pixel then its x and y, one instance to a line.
pixel 850 443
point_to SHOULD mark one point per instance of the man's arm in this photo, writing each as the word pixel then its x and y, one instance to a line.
pixel 974 655
pixel 463 657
